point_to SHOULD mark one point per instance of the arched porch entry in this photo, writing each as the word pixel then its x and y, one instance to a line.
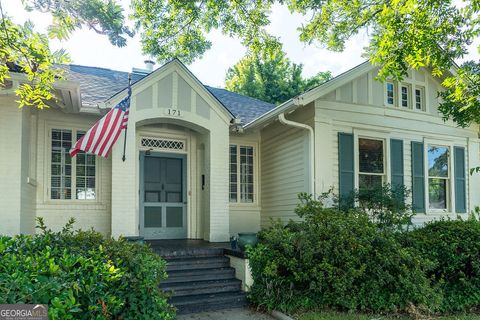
pixel 174 181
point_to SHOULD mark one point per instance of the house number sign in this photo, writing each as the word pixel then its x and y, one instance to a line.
pixel 174 112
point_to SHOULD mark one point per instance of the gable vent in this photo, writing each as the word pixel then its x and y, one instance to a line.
pixel 163 144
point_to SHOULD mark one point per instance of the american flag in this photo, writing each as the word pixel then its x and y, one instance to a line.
pixel 102 136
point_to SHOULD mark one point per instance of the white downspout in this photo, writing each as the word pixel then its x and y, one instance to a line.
pixel 283 120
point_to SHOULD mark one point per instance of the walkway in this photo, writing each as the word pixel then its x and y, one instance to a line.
pixel 227 314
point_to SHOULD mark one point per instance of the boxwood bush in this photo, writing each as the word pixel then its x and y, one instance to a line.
pixel 82 275
pixel 338 260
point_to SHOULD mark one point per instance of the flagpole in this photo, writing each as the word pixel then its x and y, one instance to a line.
pixel 125 140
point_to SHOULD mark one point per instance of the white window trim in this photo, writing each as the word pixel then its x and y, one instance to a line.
pixel 451 177
pixel 387 136
pixel 183 140
pixel 423 98
pixel 374 135
pixel 412 84
pixel 357 155
pixel 407 85
pixel 48 167
pixel 385 94
pixel 256 185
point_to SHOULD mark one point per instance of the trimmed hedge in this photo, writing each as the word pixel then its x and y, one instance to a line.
pixel 338 261
pixel 454 248
pixel 346 261
pixel 82 275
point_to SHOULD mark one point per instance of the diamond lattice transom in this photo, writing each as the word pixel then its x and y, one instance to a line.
pixel 163 144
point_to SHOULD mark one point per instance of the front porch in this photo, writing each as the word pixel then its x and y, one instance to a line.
pixel 174 181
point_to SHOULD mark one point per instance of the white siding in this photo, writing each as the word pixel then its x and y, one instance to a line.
pixel 284 168
pixel 27 192
pixel 10 168
pixel 376 120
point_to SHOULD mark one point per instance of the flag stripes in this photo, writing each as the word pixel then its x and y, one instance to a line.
pixel 100 138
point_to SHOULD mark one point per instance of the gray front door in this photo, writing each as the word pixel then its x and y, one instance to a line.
pixel 163 198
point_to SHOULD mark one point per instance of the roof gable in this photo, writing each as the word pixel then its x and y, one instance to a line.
pixel 169 77
pixel 100 85
pixel 334 83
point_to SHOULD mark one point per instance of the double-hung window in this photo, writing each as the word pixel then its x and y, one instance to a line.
pixel 71 178
pixel 438 177
pixel 241 173
pixel 371 163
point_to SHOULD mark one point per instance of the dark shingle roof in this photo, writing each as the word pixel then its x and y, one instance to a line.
pixel 99 84
pixel 243 107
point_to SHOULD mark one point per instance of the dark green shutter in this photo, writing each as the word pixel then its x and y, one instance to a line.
pixel 460 181
pixel 346 168
pixel 396 163
pixel 418 178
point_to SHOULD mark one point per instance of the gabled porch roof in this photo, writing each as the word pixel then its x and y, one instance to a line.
pixel 98 85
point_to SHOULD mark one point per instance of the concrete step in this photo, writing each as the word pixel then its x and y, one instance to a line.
pixel 200 279
pixel 187 263
pixel 200 275
pixel 207 302
pixel 179 289
pixel 167 253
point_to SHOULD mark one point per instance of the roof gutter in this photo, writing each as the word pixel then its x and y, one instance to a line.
pixel 272 114
pixel 283 120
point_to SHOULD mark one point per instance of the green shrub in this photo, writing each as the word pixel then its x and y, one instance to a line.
pixel 454 247
pixel 387 205
pixel 82 275
pixel 337 260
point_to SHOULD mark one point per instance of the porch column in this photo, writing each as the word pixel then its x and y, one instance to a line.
pixel 217 224
pixel 125 186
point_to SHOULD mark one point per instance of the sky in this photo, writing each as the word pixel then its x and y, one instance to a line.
pixel 86 47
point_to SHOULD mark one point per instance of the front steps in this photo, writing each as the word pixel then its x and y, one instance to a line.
pixel 201 279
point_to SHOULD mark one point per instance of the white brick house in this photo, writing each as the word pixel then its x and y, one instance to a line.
pixel 205 163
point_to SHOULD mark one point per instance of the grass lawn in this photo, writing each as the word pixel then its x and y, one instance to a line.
pixel 348 316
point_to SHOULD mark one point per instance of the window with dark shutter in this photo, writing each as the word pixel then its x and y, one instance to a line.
pixel 460 180
pixel 418 178
pixel 346 168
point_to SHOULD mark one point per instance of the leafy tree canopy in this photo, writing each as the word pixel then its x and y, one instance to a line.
pixel 23 49
pixel 270 77
pixel 403 34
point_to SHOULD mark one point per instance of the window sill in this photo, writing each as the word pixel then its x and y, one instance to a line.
pixel 240 205
pixel 404 109
pixel 442 212
pixel 438 211
pixel 71 201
